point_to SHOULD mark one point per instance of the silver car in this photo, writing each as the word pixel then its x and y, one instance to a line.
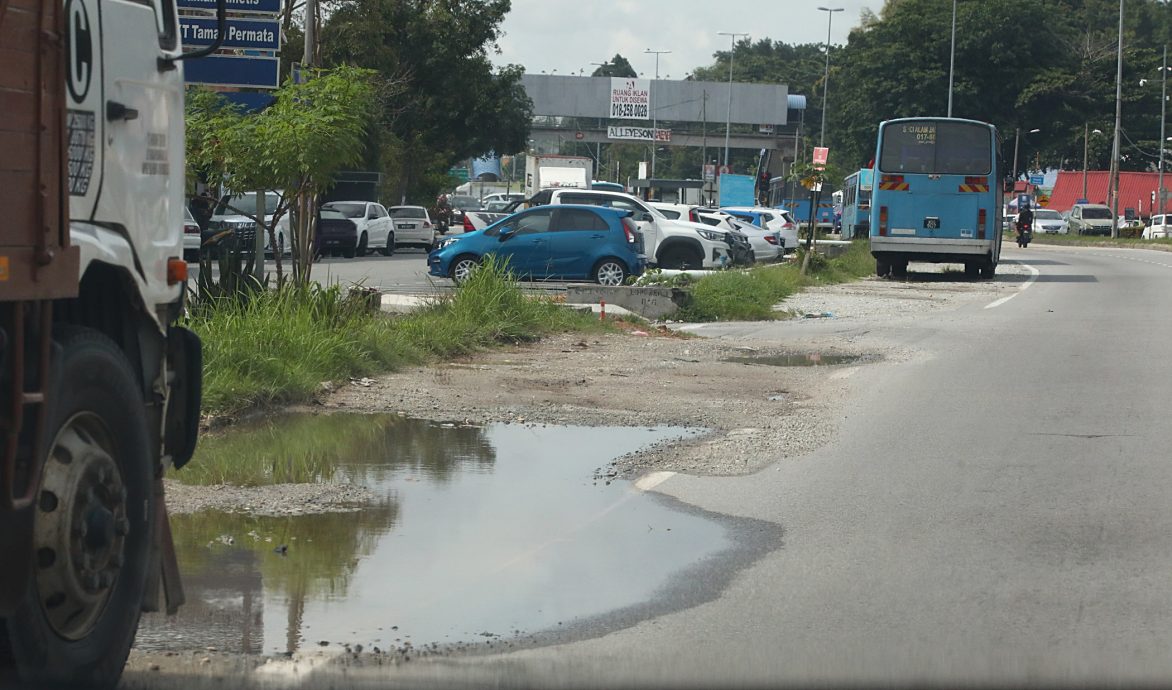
pixel 413 226
pixel 1049 222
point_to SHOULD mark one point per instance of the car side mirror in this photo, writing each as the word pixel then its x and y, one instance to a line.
pixel 646 217
pixel 506 233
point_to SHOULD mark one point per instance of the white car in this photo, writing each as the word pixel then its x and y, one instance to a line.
pixel 376 229
pixel 191 236
pixel 1048 222
pixel 413 226
pixel 672 244
pixel 775 219
pixel 1160 228
pixel 229 214
pixel 766 243
pixel 498 197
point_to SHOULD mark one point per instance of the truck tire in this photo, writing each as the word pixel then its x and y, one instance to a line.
pixel 988 270
pixel 882 267
pixel 93 525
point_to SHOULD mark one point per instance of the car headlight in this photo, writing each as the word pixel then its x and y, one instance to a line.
pixel 447 242
pixel 712 236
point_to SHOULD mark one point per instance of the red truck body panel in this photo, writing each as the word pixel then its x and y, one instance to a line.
pixel 36 261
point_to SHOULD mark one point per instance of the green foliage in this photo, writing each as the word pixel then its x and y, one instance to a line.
pixel 752 295
pixel 312 131
pixel 617 66
pixel 459 105
pixel 279 346
pixel 654 277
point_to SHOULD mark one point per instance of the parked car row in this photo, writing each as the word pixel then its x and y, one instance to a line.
pixel 345 228
pixel 543 237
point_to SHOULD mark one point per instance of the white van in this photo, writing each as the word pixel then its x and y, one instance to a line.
pixel 1160 228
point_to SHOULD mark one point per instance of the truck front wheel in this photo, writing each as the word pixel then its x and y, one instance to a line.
pixel 93 523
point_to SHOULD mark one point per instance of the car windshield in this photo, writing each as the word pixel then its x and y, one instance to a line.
pixel 407 212
pixel 1096 213
pixel 1045 214
pixel 350 210
pixel 463 202
pixel 330 214
pixel 246 204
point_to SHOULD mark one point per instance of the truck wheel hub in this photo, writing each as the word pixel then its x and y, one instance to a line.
pixel 80 527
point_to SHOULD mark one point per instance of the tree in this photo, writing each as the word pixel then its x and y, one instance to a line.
pixel 617 66
pixel 310 132
pixel 456 105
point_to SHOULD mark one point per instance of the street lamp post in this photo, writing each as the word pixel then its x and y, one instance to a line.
pixel 1086 133
pixel 952 58
pixel 732 37
pixel 1113 198
pixel 654 123
pixel 1016 139
pixel 826 75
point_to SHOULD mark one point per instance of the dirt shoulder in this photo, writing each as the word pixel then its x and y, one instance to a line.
pixel 755 414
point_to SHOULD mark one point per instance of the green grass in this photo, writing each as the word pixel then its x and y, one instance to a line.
pixel 279 346
pixel 750 295
pixel 1099 241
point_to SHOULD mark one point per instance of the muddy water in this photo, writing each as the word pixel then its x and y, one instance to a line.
pixel 479 533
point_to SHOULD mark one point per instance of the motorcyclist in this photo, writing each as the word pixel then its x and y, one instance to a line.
pixel 443 211
pixel 1025 225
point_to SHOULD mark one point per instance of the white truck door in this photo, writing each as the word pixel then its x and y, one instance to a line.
pixel 142 182
pixel 84 118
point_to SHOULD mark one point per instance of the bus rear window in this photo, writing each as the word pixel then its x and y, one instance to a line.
pixel 934 147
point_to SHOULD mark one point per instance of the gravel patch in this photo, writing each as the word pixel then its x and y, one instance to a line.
pixel 273 500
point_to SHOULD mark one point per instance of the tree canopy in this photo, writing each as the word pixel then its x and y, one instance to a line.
pixel 455 105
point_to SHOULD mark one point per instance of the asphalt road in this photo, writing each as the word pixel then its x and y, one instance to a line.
pixel 995 512
pixel 403 272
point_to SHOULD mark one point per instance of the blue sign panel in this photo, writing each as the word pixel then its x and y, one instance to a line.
pixel 263 34
pixel 228 70
pixel 1036 180
pixel 266 6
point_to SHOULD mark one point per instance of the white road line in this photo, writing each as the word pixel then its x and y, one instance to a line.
pixel 653 479
pixel 1034 276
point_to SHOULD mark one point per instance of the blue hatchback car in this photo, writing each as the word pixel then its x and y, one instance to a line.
pixel 571 242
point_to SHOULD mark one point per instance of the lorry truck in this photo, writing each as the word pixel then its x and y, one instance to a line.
pixel 99 385
pixel 557 172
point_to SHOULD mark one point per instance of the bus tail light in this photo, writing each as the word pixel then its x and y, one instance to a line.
pixel 981 216
pixel 882 221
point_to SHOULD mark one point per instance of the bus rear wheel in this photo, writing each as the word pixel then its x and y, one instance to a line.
pixel 882 267
pixel 988 269
pixel 972 269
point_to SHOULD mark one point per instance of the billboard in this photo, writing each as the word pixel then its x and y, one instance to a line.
pixel 630 99
pixel 638 133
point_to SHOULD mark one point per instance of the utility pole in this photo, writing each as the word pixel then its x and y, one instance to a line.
pixel 826 75
pixel 728 118
pixel 1113 200
pixel 654 119
pixel 1163 139
pixel 310 55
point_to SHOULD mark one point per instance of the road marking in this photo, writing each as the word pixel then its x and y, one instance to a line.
pixel 1034 273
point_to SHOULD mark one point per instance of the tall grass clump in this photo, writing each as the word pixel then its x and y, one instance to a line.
pixel 273 347
pixel 279 345
pixel 752 294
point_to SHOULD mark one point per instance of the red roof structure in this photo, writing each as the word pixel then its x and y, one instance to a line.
pixel 1136 189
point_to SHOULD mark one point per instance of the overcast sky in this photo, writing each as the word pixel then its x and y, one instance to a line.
pixel 544 35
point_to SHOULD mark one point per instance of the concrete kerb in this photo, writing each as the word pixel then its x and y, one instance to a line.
pixel 402 304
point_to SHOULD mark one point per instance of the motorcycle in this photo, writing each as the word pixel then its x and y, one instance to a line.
pixel 1025 233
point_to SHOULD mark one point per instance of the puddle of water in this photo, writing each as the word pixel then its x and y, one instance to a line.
pixel 812 359
pixel 479 530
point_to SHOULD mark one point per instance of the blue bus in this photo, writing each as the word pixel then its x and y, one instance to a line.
pixel 856 204
pixel 937 195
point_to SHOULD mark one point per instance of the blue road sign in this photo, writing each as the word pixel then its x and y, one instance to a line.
pixel 228 70
pixel 265 6
pixel 1037 180
pixel 262 34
